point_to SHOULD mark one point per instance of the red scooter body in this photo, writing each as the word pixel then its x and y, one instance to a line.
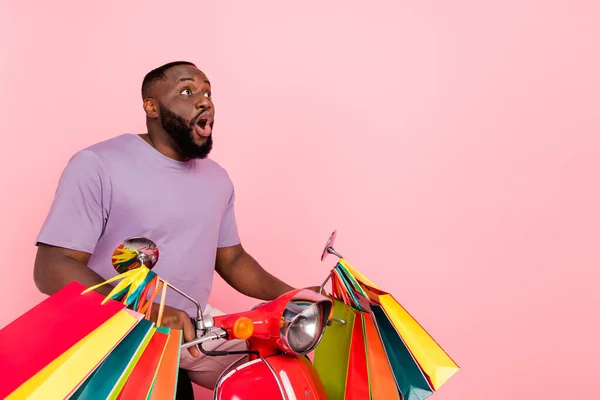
pixel 278 368
pixel 277 377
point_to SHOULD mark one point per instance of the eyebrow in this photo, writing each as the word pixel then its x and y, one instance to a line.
pixel 187 78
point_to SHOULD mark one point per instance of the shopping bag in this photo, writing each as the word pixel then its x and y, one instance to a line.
pixel 139 382
pixel 62 376
pixel 134 286
pixel 410 380
pixel 78 343
pixel 48 330
pixel 435 363
pixel 403 359
pixel 108 379
pixel 165 383
pixel 381 375
pixel 332 355
pixel 351 360
pixel 357 384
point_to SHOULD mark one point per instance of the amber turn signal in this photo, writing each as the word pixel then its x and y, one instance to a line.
pixel 243 328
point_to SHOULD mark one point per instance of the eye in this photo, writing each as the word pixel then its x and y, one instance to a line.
pixel 207 94
pixel 186 92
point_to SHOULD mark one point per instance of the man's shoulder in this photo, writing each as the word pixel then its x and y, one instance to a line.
pixel 94 157
pixel 101 153
pixel 113 145
pixel 215 169
pixel 213 165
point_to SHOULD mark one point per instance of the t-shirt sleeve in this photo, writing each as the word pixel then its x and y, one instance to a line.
pixel 228 232
pixel 81 205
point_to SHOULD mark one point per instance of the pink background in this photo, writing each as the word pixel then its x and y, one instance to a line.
pixel 454 146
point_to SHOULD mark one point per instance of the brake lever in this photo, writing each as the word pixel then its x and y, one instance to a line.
pixel 207 337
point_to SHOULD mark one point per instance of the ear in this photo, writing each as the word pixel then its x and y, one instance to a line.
pixel 150 108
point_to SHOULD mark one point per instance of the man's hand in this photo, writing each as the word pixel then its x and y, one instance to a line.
pixel 177 319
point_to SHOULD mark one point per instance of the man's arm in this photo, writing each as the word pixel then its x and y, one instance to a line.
pixel 73 225
pixel 244 274
pixel 56 267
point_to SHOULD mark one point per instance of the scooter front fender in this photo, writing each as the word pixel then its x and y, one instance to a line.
pixel 280 377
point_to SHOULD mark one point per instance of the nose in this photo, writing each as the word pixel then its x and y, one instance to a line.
pixel 203 102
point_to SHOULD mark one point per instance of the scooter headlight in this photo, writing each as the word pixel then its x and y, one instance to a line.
pixel 304 320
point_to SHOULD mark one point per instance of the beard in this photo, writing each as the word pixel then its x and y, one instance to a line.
pixel 181 132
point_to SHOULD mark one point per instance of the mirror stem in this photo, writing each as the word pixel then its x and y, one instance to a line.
pixel 199 318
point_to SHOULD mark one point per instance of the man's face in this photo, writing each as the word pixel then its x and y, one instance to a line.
pixel 186 110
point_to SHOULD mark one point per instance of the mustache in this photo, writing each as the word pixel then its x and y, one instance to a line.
pixel 193 121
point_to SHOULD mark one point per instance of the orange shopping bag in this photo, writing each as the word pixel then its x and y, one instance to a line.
pixel 165 383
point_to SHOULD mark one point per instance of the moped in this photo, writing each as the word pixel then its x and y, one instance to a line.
pixel 279 335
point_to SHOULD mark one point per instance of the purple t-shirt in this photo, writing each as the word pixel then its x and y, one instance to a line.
pixel 123 187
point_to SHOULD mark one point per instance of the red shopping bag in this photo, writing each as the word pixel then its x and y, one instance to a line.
pixel 165 384
pixel 357 383
pixel 45 332
pixel 139 383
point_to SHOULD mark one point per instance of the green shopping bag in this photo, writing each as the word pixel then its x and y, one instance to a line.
pixel 332 356
pixel 409 377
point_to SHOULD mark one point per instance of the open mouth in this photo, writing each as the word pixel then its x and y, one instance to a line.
pixel 202 122
pixel 204 126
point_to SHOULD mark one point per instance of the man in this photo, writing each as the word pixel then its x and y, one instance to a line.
pixel 162 186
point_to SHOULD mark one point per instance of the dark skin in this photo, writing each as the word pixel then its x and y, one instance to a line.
pixel 186 92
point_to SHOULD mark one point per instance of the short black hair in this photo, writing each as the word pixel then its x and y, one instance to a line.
pixel 158 74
